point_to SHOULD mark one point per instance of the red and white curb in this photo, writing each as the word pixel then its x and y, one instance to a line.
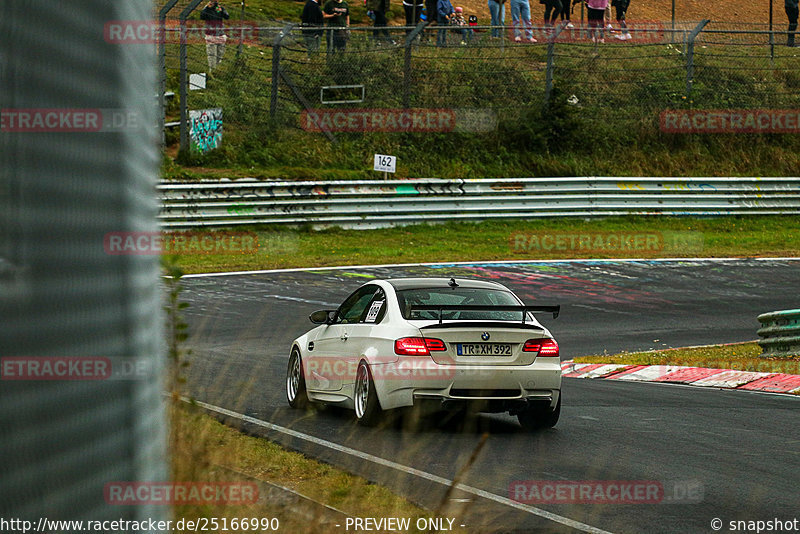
pixel 695 376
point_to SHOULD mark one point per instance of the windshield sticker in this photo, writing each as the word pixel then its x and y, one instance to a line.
pixel 372 314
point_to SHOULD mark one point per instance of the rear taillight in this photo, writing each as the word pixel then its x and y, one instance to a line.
pixel 547 348
pixel 418 346
pixel 434 344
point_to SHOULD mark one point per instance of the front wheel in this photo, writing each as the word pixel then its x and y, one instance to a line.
pixel 296 382
pixel 540 418
pixel 368 409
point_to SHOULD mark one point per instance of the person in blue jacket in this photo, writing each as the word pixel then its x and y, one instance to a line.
pixel 444 12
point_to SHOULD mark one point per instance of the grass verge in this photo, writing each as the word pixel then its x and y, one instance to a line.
pixel 739 356
pixel 682 237
pixel 205 450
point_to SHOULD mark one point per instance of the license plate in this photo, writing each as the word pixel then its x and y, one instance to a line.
pixel 483 349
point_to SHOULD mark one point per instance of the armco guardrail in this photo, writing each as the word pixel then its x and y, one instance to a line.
pixel 780 332
pixel 374 203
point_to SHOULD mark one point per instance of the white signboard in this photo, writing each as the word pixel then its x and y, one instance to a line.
pixel 197 81
pixel 385 163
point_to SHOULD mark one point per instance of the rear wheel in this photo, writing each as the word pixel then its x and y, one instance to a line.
pixel 540 418
pixel 368 409
pixel 296 382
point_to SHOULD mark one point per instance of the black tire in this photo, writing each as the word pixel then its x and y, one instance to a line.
pixel 540 418
pixel 296 392
pixel 365 399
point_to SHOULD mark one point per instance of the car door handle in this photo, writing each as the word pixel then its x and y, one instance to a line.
pixel 344 336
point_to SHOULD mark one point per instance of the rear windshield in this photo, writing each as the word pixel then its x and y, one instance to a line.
pixel 458 296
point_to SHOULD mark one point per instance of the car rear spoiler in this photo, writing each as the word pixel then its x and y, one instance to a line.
pixel 555 310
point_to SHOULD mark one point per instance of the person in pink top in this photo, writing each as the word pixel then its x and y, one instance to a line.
pixel 596 10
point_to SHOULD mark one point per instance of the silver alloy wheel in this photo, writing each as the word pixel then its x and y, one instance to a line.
pixel 293 377
pixel 362 390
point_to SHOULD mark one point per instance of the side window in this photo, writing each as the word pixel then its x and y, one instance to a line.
pixel 352 309
pixel 376 308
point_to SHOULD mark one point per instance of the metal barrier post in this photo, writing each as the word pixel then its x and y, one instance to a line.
pixel 184 77
pixel 690 55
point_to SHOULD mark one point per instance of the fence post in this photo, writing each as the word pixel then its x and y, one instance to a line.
pixel 672 33
pixel 162 67
pixel 407 66
pixel 771 36
pixel 551 48
pixel 184 77
pixel 276 68
pixel 690 55
pixel 241 32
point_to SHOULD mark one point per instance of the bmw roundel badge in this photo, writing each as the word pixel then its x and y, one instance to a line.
pixel 485 336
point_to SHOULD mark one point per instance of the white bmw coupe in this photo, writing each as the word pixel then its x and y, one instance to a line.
pixel 412 341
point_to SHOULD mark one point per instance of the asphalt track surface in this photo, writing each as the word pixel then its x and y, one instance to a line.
pixel 741 449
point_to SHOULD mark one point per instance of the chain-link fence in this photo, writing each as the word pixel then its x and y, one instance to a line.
pixel 470 78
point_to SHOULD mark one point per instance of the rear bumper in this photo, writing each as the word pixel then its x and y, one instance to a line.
pixel 490 385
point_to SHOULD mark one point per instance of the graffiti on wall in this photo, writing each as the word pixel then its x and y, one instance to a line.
pixel 205 129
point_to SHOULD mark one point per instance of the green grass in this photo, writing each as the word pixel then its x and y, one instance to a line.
pixel 494 240
pixel 205 450
pixel 613 131
pixel 739 356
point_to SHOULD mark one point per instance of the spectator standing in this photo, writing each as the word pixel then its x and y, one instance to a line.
pixel 444 12
pixel 413 11
pixel 792 9
pixel 338 15
pixel 497 9
pixel 552 8
pixel 596 10
pixel 621 7
pixel 214 15
pixel 566 12
pixel 379 8
pixel 521 14
pixel 431 9
pixel 311 19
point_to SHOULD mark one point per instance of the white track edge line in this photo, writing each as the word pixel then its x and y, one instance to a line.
pixel 478 262
pixel 410 470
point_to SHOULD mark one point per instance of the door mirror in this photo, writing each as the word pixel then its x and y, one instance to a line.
pixel 323 317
